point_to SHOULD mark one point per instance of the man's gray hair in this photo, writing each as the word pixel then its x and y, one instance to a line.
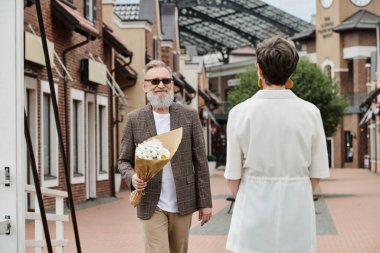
pixel 156 64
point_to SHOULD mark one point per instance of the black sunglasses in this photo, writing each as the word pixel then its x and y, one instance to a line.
pixel 157 81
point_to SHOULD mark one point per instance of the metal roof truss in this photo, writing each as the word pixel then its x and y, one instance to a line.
pixel 222 25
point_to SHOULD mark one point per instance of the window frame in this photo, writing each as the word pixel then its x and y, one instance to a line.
pixel 54 181
pixel 90 14
pixel 372 135
pixel 31 106
pixel 348 147
pixel 78 96
pixel 32 113
pixel 91 142
pixel 102 159
pixel 377 139
pixel 327 63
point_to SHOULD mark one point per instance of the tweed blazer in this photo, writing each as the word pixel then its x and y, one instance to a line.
pixel 189 164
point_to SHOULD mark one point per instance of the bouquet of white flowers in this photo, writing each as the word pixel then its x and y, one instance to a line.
pixel 152 150
pixel 152 155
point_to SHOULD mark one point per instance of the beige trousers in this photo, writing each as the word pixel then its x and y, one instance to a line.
pixel 166 232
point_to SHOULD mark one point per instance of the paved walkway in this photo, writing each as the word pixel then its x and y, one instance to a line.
pixel 348 219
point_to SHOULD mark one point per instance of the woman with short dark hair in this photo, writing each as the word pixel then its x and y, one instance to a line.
pixel 276 154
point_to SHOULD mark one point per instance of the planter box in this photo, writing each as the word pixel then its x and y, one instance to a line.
pixel 117 182
pixel 211 167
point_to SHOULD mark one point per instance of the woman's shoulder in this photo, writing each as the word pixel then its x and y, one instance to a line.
pixel 307 105
pixel 243 105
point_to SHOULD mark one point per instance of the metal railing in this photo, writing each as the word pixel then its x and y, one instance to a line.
pixel 58 217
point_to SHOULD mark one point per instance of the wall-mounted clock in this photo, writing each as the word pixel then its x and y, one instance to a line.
pixel 361 3
pixel 326 3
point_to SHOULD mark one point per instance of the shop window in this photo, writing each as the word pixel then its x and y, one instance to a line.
pixel 49 142
pixel 48 170
pixel 349 149
pixel 102 138
pixel 31 112
pixel 373 138
pixel 77 136
pixel 75 139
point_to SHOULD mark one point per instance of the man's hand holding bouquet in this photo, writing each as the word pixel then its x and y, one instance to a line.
pixel 152 155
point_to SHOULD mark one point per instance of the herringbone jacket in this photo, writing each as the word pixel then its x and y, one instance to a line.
pixel 189 164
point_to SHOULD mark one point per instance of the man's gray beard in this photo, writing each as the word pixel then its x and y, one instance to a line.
pixel 161 102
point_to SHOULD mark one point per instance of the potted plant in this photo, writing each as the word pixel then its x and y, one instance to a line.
pixel 211 164
pixel 117 178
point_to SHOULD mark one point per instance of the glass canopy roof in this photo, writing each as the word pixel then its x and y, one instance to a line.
pixel 222 25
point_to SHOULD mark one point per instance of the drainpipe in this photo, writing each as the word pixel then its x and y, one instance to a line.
pixel 65 81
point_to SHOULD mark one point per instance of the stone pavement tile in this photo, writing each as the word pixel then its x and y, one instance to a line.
pixel 114 228
pixel 111 228
pixel 207 244
pixel 324 222
pixel 351 196
pixel 356 217
pixel 218 225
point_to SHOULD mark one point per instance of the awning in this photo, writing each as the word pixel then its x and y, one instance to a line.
pixel 371 97
pixel 215 101
pixel 203 95
pixel 112 82
pixel 126 76
pixel 188 86
pixel 113 42
pixel 28 3
pixel 189 97
pixel 74 20
pixel 178 82
pixel 211 116
pixel 223 117
pixel 367 116
pixel 148 58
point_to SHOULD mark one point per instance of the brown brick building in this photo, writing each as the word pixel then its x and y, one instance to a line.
pixel 74 29
pixel 342 43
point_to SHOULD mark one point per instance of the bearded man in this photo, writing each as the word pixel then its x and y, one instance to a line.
pixel 183 186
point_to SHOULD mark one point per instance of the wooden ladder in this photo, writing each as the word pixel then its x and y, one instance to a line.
pixel 59 217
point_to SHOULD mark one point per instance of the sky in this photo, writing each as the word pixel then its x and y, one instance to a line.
pixel 301 9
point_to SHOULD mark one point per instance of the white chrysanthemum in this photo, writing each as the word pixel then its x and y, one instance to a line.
pixel 152 150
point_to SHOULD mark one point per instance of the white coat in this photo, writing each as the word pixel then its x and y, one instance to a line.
pixel 275 144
